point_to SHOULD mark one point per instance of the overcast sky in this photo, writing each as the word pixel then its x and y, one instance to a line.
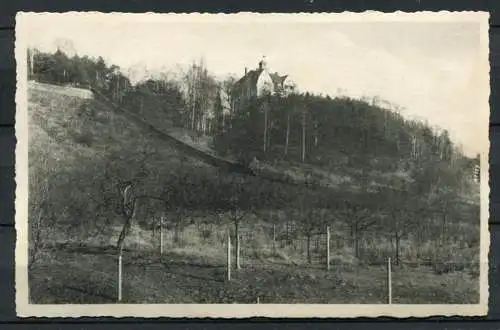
pixel 431 69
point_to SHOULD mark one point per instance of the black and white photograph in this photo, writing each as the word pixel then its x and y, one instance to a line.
pixel 240 165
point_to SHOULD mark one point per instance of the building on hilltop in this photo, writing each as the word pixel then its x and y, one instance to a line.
pixel 256 83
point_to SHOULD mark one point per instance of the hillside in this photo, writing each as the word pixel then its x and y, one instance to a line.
pixel 295 173
pixel 94 130
pixel 79 145
pixel 342 143
pixel 97 132
pixel 89 148
pixel 83 150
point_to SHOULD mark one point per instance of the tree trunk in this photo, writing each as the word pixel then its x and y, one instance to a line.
pixel 287 136
pixel 177 232
pixel 36 240
pixel 287 233
pixel 237 240
pixel 265 127
pixel 398 241
pixel 316 137
pixel 303 136
pixel 31 57
pixel 154 229
pixel 443 233
pixel 309 259
pixel 116 91
pixel 161 235
pixel 356 240
pixel 357 247
pixel 128 215
pixel 269 135
pixel 123 234
pixel 193 106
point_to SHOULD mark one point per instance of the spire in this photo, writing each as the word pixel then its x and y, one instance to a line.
pixel 263 63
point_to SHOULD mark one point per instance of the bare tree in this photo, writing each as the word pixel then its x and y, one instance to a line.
pixel 265 106
pixel 304 111
pixel 129 202
pixel 227 92
pixel 359 219
pixel 39 206
pixel 236 201
pixel 201 94
pixel 397 227
pixel 38 214
pixel 290 110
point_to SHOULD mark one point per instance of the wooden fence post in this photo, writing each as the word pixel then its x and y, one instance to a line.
pixel 229 256
pixel 237 244
pixel 389 282
pixel 327 247
pixel 238 248
pixel 120 277
pixel 161 235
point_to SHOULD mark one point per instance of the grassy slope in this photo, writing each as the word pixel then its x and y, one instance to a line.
pixel 75 130
pixel 71 132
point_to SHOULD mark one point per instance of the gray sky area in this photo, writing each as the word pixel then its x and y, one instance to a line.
pixel 432 69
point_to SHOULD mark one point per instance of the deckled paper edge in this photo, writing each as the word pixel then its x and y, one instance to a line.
pixel 25 309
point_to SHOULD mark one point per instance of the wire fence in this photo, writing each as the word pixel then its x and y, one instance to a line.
pixel 274 250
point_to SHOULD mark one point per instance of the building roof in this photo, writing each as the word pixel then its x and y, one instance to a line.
pixel 277 79
pixel 252 77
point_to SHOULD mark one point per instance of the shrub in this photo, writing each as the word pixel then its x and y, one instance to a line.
pixel 84 138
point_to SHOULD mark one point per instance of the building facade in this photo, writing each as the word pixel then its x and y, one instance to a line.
pixel 256 83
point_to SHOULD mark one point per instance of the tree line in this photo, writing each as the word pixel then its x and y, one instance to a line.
pixel 192 98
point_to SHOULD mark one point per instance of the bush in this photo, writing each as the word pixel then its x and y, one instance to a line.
pixel 84 138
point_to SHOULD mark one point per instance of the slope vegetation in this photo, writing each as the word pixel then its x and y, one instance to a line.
pixel 83 151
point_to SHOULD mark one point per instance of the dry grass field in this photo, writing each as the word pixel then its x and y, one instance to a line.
pixel 195 272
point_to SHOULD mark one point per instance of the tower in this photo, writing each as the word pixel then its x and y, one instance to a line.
pixel 263 63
